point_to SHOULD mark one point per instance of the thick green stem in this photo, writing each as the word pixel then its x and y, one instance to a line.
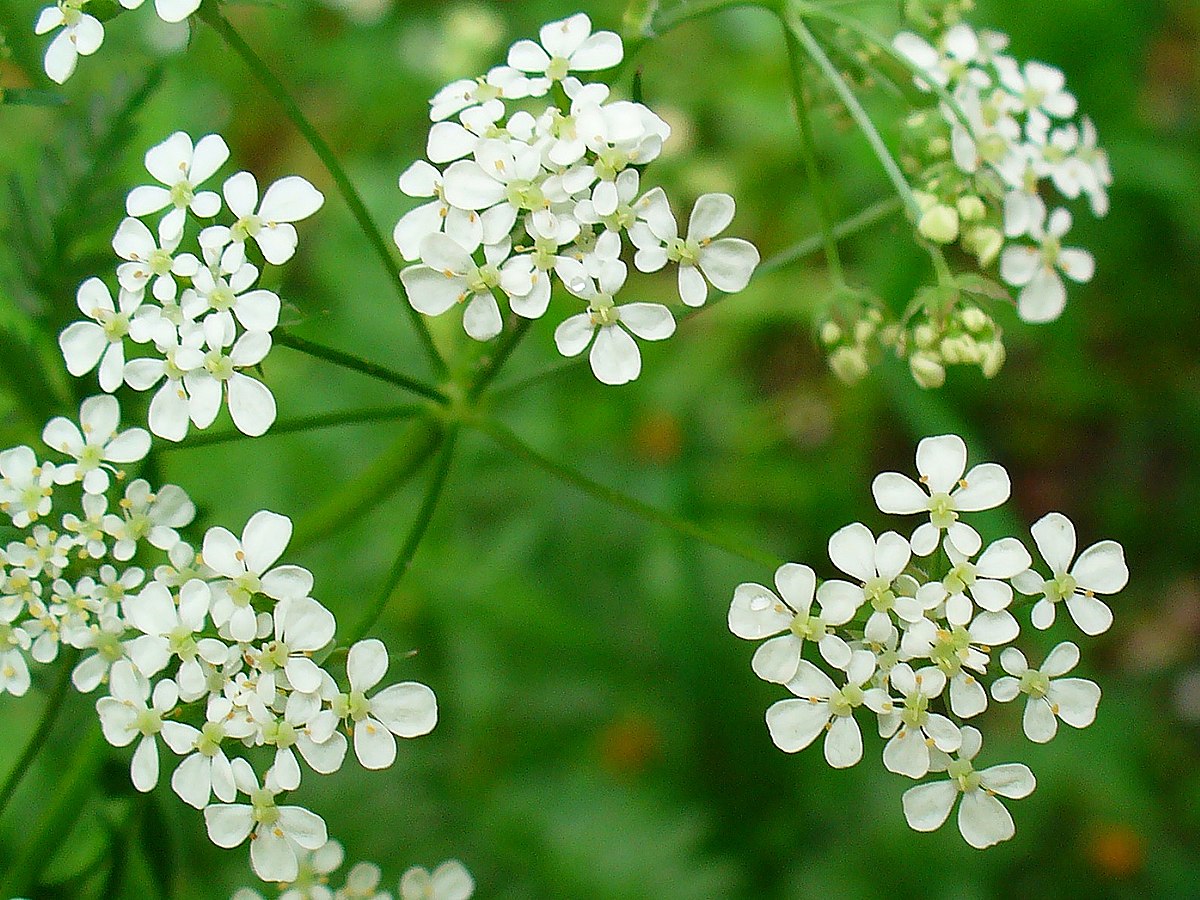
pixel 37 740
pixel 507 439
pixel 210 13
pixel 795 25
pixel 349 361
pixel 808 151
pixel 408 550
pixel 307 423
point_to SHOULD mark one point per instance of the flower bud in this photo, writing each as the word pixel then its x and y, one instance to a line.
pixel 924 335
pixel 830 333
pixel 974 319
pixel 939 224
pixel 992 358
pixel 971 208
pixel 849 364
pixel 984 243
pixel 926 370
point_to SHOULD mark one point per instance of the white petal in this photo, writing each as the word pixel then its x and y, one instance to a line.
pixel 907 754
pixel 794 724
pixel 1101 568
pixel 729 263
pixel 615 358
pixel 1060 660
pixel 374 744
pixel 756 613
pixel 927 806
pixel 777 660
pixel 481 318
pixel 1075 700
pixel 942 461
pixel 264 539
pixel 407 709
pixel 468 186
pixel 366 664
pixel 988 486
pixel 290 199
pixel 600 51
pixel 272 856
pixel 432 292
pixel 649 321
pixel 693 290
pixel 1091 615
pixel 574 334
pixel 898 494
pixel 967 697
pixel 843 743
pixel 983 820
pixel 1038 721
pixel 852 549
pixel 1043 299
pixel 228 825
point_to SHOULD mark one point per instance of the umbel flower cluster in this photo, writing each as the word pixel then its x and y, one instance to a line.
pixel 449 881
pixel 79 33
pixel 198 318
pixel 907 639
pixel 211 650
pixel 553 190
pixel 992 162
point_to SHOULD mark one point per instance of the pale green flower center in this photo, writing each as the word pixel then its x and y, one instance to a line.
pixel 222 298
pixel 91 457
pixel 558 68
pixel 182 194
pixel 964 776
pixel 621 219
pixel 281 734
pixel 878 592
pixel 806 627
pixel 148 721
pixel 265 811
pixel 959 578
pixel 684 252
pixel 1035 684
pixel 483 279
pixel 244 587
pixel 485 92
pixel 526 195
pixel 845 700
pixel 160 262
pixel 949 651
pixel 108 646
pixel 941 510
pixel 1061 587
pixel 246 227
pixel 603 312
pixel 274 656
pixel 610 163
pixel 218 365
pixel 353 705
pixel 209 741
pixel 115 324
pixel 915 711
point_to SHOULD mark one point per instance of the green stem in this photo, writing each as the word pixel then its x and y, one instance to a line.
pixel 811 165
pixel 307 423
pixel 211 14
pixel 37 740
pixel 60 814
pixel 506 438
pixel 408 550
pixel 795 24
pixel 860 221
pixel 349 361
pixel 507 344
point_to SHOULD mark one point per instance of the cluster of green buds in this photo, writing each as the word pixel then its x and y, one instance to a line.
pixel 854 331
pixel 932 15
pixel 951 327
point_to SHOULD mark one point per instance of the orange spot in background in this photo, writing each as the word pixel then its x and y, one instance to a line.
pixel 658 437
pixel 629 744
pixel 1117 851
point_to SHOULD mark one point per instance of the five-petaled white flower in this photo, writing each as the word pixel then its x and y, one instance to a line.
pixel 450 276
pixel 982 818
pixel 566 46
pixel 149 261
pixel 943 492
pixel 93 443
pixel 288 200
pixel 1035 270
pixel 823 706
pixel 81 35
pixel 26 486
pixel 407 710
pixel 131 710
pixel 1051 697
pixel 180 169
pixel 102 340
pixel 911 728
pixel 757 612
pixel 1100 569
pixel 728 263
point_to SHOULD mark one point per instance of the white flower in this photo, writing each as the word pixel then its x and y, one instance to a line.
pixel 205 770
pixel 501 82
pixel 567 45
pixel 727 263
pixel 315 868
pixel 912 728
pixel 794 724
pixel 756 612
pixel 982 818
pixel 81 35
pixel 1036 269
pixel 615 358
pixel 229 297
pixel 251 404
pixel 464 226
pixel 943 493
pixel 180 169
pixel 450 276
pixel 245 564
pixel 406 710
pixel 148 515
pixel 173 10
pixel 14 671
pixel 149 261
pixel 88 532
pixel 94 443
pixel 125 714
pixel 170 408
pixel 102 340
pixel 1100 569
pixel 877 565
pixel 1074 700
pixel 1041 91
pixel 288 200
pixel 276 832
pixel 302 627
pixel 449 881
pixel 176 629
pixel 1004 558
pixel 362 883
pixel 26 486
pixel 502 179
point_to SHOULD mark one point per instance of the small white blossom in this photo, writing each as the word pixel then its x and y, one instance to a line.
pixel 449 881
pixel 1036 270
pixel 288 200
pixel 943 492
pixel 26 486
pixel 982 818
pixel 1100 569
pixel 81 35
pixel 130 711
pixel 180 169
pixel 102 340
pixel 150 262
pixel 911 728
pixel 566 46
pixel 1051 697
pixel 94 442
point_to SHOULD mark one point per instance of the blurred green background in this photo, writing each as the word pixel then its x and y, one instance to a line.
pixel 601 732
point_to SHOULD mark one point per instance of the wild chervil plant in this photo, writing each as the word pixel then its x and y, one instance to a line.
pixel 210 655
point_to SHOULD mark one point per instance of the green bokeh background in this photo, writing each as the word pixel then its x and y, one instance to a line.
pixel 601 734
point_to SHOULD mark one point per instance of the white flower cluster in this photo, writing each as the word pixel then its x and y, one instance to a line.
pixel 449 881
pixel 983 182
pixel 531 194
pixel 198 314
pixel 908 638
pixel 82 34
pixel 212 652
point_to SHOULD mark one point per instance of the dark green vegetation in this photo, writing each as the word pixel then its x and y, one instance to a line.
pixel 601 733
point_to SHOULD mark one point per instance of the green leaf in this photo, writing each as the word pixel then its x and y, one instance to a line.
pixel 31 97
